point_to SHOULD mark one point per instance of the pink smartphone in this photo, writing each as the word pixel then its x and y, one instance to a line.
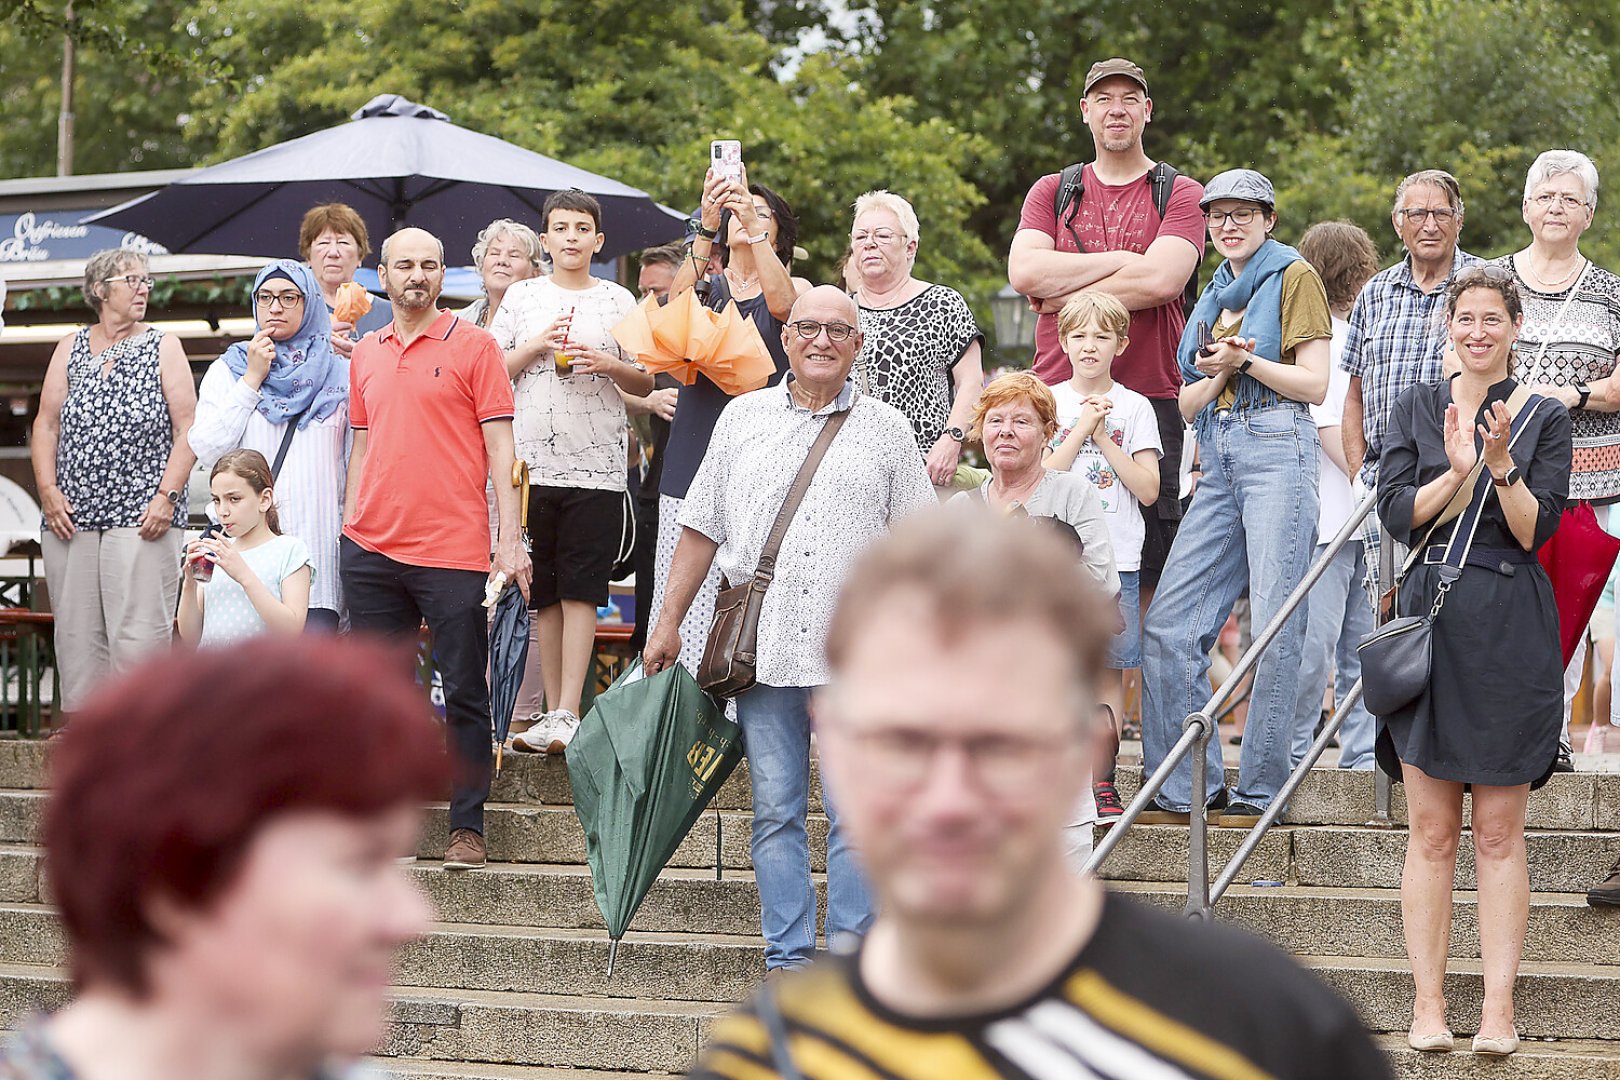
pixel 725 158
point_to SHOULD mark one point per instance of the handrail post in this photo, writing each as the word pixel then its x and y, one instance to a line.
pixel 1197 817
pixel 1383 801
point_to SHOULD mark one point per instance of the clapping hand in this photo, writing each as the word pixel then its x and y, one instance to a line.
pixel 1495 431
pixel 1460 450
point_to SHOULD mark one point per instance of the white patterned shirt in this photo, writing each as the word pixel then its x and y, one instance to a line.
pixel 309 489
pixel 571 429
pixel 871 477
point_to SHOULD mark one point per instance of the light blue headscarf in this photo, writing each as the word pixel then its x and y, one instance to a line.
pixel 307 375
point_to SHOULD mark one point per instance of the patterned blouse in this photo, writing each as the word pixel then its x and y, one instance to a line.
pixel 1582 350
pixel 908 355
pixel 116 435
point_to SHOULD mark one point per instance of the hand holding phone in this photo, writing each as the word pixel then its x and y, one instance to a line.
pixel 725 158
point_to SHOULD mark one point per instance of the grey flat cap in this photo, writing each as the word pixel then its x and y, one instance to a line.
pixel 1245 184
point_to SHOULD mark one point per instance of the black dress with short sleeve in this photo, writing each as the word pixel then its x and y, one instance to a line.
pixel 1495 702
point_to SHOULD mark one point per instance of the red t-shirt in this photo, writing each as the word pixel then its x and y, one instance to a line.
pixel 423 407
pixel 1120 218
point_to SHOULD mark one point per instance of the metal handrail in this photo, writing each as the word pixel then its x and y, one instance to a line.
pixel 1200 727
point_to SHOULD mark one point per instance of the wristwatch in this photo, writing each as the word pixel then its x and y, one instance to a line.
pixel 1246 365
pixel 1585 392
pixel 956 433
pixel 1509 478
pixel 173 497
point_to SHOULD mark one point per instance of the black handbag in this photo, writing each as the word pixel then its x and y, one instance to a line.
pixel 1397 658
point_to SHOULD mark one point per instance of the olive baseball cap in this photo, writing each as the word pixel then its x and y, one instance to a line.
pixel 1118 65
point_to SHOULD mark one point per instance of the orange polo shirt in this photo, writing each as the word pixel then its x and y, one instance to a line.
pixel 423 406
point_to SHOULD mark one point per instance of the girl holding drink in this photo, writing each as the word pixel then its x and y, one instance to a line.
pixel 265 584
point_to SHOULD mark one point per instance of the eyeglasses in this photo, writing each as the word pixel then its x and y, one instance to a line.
pixel 134 281
pixel 809 328
pixel 1005 765
pixel 1243 215
pixel 763 212
pixel 883 237
pixel 286 299
pixel 1568 202
pixel 1441 214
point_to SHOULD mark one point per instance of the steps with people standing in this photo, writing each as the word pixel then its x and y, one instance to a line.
pixel 511 983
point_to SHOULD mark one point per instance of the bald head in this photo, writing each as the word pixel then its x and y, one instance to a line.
pixel 821 364
pixel 412 269
pixel 414 235
pixel 826 299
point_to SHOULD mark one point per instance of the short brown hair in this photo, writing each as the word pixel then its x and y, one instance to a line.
pixel 1006 389
pixel 1344 257
pixel 1493 278
pixel 1094 306
pixel 339 217
pixel 581 202
pixel 977 566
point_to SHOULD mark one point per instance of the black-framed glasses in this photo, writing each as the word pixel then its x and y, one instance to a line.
pixel 285 299
pixel 809 328
pixel 1441 214
pixel 134 281
pixel 1243 215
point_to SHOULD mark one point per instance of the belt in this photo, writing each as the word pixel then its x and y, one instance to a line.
pixel 1498 560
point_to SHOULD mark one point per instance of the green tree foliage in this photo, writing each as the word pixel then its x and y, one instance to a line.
pixel 957 104
pixel 136 77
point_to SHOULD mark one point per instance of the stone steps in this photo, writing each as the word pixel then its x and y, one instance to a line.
pixel 1575 1059
pixel 420 1069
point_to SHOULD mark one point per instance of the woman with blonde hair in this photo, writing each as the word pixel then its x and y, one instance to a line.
pixel 507 251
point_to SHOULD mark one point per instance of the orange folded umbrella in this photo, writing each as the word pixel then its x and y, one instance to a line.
pixel 683 338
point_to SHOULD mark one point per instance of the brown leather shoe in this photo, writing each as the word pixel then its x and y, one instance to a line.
pixel 466 851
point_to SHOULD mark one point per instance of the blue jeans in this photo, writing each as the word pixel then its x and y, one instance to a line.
pixel 1337 618
pixel 1252 522
pixel 1126 651
pixel 776 735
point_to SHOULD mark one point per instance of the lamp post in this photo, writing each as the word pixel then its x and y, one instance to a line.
pixel 1015 326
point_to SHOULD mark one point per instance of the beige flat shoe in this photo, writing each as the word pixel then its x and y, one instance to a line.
pixel 1496 1047
pixel 1436 1042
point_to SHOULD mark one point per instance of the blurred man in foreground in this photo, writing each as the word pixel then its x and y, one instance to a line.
pixel 954 733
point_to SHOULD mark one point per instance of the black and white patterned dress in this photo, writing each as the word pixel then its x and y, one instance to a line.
pixel 908 353
pixel 116 434
pixel 1582 350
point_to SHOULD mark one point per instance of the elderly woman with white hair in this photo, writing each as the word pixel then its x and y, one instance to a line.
pixel 1568 345
pixel 506 251
pixel 922 346
pixel 110 463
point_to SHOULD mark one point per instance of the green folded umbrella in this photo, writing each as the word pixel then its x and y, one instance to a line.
pixel 644 764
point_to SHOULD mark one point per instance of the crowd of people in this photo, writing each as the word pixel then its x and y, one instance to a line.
pixel 362 459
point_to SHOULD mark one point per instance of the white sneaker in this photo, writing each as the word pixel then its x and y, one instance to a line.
pixel 538 737
pixel 563 726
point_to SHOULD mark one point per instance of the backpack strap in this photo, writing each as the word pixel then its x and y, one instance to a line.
pixel 1071 185
pixel 1163 181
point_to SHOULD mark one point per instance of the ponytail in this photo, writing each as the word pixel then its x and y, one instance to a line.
pixel 251 466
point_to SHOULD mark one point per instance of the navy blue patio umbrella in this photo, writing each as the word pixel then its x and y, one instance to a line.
pixel 397 163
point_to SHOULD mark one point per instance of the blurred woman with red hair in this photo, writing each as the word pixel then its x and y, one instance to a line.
pixel 230 888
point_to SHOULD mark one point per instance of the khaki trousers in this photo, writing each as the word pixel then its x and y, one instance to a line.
pixel 114 597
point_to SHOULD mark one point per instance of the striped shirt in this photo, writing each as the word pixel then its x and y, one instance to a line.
pixel 1149 997
pixel 1396 338
pixel 309 490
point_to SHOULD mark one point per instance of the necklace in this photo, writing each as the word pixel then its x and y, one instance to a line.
pixel 1552 286
pixel 740 283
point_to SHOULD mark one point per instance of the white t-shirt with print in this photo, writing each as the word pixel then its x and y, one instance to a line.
pixel 1132 427
pixel 1337 500
pixel 571 429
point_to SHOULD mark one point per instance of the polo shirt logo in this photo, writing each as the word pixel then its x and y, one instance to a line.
pixel 435 373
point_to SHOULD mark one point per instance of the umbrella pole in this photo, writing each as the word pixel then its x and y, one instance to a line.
pixel 498 749
pixel 719 860
pixel 613 954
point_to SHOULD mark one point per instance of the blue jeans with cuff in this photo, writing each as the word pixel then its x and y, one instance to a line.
pixel 1252 522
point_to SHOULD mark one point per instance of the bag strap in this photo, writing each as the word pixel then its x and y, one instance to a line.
pixel 286 441
pixel 776 1033
pixel 801 484
pixel 1070 187
pixel 1470 496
